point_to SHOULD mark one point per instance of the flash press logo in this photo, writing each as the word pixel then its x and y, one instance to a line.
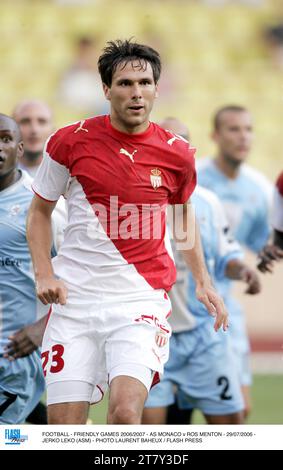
pixel 14 437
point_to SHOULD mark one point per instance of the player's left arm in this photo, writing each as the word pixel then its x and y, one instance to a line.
pixel 189 243
pixel 25 341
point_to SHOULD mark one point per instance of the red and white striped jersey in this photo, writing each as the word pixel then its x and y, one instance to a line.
pixel 117 187
pixel 277 218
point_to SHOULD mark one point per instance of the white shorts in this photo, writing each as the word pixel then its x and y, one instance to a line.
pixel 86 345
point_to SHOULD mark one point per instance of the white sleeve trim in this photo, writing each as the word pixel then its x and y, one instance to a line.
pixel 51 179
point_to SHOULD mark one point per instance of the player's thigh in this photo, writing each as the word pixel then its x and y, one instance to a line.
pixel 154 415
pixel 232 418
pixel 69 351
pixel 139 340
pixel 127 396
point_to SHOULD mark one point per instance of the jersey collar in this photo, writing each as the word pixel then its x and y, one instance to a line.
pixel 129 137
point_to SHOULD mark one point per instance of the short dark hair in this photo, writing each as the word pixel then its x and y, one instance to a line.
pixel 118 52
pixel 231 107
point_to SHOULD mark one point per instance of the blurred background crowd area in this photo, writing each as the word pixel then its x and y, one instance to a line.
pixel 214 52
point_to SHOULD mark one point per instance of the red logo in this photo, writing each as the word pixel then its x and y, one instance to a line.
pixel 57 361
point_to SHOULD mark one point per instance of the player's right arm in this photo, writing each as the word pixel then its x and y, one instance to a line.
pixel 49 184
pixel 39 236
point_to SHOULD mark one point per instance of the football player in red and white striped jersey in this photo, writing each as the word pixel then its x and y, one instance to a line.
pixel 109 282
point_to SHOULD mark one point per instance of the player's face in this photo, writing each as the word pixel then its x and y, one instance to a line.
pixel 131 95
pixel 10 147
pixel 234 135
pixel 35 122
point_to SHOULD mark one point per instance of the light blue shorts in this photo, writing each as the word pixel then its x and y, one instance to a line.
pixel 201 372
pixel 240 341
pixel 21 386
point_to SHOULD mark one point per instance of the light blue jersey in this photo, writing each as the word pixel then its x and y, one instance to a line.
pixel 201 363
pixel 21 381
pixel 30 170
pixel 246 199
pixel 247 202
pixel 18 306
pixel 218 247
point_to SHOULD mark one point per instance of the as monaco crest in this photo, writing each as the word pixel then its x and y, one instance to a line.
pixel 155 178
pixel 161 338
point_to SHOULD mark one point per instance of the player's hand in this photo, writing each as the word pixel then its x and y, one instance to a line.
pixel 25 341
pixel 250 277
pixel 267 256
pixel 214 305
pixel 51 291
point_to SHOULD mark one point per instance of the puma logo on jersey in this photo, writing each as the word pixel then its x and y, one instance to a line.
pixel 81 128
pixel 176 137
pixel 130 155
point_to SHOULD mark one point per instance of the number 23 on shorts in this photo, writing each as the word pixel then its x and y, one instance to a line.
pixel 57 361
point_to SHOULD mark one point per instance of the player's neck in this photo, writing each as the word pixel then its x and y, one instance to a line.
pixel 10 178
pixel 31 160
pixel 122 127
pixel 228 167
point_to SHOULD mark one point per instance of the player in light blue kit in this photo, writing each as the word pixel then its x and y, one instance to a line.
pixel 246 196
pixel 201 367
pixel 201 371
pixel 21 376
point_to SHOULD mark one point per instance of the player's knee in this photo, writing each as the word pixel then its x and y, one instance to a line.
pixel 247 411
pixel 233 418
pixel 124 414
pixel 237 418
pixel 247 402
pixel 68 413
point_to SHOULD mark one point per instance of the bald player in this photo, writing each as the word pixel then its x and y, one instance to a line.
pixel 35 120
pixel 173 124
